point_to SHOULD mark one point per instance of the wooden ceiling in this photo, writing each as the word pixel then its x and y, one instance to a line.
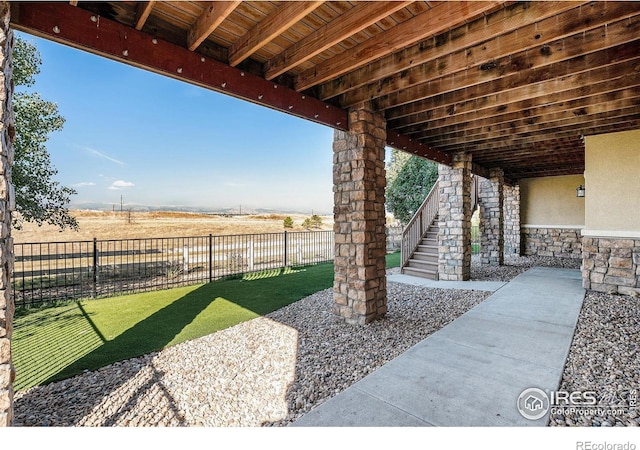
pixel 517 84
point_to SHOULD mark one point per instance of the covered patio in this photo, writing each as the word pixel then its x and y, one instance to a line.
pixel 536 98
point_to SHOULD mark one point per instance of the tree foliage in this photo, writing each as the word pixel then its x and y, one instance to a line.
pixel 409 180
pixel 315 221
pixel 39 198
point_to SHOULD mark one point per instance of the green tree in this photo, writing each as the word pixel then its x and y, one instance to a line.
pixel 288 222
pixel 39 198
pixel 409 180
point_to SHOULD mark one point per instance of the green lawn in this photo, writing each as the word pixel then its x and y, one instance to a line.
pixel 59 342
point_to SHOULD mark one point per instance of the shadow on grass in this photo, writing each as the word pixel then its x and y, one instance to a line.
pixel 232 301
pixel 202 311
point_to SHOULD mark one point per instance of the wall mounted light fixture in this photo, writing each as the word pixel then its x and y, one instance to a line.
pixel 580 191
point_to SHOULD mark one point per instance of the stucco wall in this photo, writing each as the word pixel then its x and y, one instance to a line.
pixel 552 201
pixel 612 201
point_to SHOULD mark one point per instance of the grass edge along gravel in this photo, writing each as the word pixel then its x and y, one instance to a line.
pixel 59 342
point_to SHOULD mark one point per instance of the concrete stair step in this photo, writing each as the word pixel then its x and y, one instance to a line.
pixel 425 256
pixel 429 241
pixel 422 273
pixel 433 249
pixel 420 264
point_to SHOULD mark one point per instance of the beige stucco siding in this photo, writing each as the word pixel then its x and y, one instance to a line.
pixel 613 182
pixel 552 201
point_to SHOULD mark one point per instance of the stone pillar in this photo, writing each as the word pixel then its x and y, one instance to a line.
pixel 490 197
pixel 454 238
pixel 7 133
pixel 512 239
pixel 360 284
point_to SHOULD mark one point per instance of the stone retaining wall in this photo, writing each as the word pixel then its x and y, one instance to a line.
pixel 555 242
pixel 611 265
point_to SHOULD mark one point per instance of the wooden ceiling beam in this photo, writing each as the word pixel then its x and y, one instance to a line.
pixel 545 172
pixel 436 20
pixel 214 14
pixel 67 25
pixel 589 128
pixel 143 10
pixel 547 114
pixel 573 156
pixel 610 110
pixel 525 148
pixel 519 47
pixel 286 15
pixel 533 105
pixel 402 142
pixel 353 21
pixel 497 94
pixel 440 46
pixel 603 45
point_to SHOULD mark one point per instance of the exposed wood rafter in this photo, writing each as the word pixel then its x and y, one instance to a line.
pixel 214 14
pixel 143 10
pixel 436 20
pixel 266 30
pixel 456 40
pixel 352 22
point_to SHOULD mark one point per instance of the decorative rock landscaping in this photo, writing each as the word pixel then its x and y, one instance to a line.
pixel 271 370
pixel 267 371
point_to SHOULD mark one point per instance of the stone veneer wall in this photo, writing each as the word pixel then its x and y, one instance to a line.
pixel 454 238
pixel 490 197
pixel 611 265
pixel 556 242
pixel 7 133
pixel 360 284
pixel 511 210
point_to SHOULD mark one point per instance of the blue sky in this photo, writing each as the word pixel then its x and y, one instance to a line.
pixel 159 142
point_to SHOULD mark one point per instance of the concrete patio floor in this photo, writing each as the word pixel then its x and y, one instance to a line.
pixel 471 372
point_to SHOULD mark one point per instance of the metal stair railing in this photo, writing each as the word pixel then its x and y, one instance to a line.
pixel 423 218
pixel 419 224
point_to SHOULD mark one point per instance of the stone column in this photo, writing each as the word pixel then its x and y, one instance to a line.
pixel 454 238
pixel 7 133
pixel 360 284
pixel 490 197
pixel 512 245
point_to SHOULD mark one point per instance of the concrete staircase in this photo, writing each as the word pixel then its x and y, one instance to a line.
pixel 420 237
pixel 423 262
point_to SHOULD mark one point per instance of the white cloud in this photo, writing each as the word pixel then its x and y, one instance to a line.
pixel 103 156
pixel 84 183
pixel 120 184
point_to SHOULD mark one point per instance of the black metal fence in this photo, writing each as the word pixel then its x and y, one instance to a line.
pixel 51 272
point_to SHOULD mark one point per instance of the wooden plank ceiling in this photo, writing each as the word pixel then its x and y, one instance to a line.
pixel 517 84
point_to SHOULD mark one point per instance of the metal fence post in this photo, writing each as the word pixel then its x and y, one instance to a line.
pixel 210 257
pixel 285 248
pixel 185 259
pixel 95 267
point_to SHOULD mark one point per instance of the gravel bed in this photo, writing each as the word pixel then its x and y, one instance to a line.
pixel 603 358
pixel 515 265
pixel 271 370
pixel 267 371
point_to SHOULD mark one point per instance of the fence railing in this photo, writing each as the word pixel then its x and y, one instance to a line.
pixel 419 224
pixel 51 272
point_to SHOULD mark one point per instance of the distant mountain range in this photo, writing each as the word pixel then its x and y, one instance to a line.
pixel 195 209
